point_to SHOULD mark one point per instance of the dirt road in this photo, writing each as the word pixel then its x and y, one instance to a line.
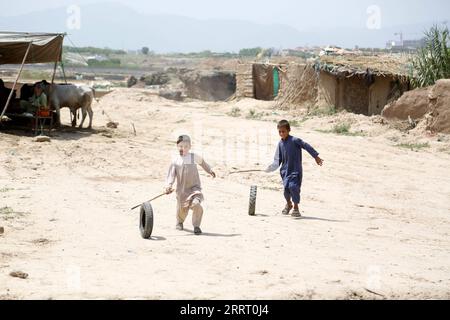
pixel 376 217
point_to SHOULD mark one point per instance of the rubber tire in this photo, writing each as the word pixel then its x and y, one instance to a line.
pixel 146 220
pixel 252 204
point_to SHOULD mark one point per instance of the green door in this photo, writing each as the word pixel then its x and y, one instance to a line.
pixel 276 82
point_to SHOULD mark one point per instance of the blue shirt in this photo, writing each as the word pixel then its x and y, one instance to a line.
pixel 289 156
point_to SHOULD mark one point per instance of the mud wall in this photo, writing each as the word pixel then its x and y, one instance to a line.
pixel 353 95
pixel 244 81
pixel 328 90
pixel 379 94
pixel 209 85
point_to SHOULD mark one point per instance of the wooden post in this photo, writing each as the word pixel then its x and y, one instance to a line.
pixel 15 82
pixel 54 69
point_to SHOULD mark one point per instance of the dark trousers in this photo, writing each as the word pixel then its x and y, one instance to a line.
pixel 292 190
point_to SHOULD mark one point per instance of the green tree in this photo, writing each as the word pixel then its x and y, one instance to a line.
pixel 145 50
pixel 432 62
pixel 250 52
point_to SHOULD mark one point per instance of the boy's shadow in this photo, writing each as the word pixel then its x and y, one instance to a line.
pixel 319 219
pixel 208 234
pixel 156 238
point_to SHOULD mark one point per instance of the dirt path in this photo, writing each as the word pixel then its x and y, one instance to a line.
pixel 376 217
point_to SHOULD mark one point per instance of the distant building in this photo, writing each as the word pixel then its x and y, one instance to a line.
pixel 97 57
pixel 335 51
pixel 405 45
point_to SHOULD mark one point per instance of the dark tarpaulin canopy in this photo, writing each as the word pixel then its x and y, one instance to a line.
pixel 24 47
pixel 45 47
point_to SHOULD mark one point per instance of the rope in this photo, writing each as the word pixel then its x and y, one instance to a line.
pixel 85 61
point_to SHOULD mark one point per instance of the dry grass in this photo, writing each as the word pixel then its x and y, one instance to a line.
pixel 235 112
pixel 414 146
pixel 8 213
pixel 343 129
pixel 387 63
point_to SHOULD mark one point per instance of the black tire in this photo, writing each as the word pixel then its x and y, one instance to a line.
pixel 146 220
pixel 252 204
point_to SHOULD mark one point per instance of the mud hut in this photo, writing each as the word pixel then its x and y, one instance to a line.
pixel 362 85
pixel 259 81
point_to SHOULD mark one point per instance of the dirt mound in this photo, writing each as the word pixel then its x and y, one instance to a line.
pixel 439 107
pixel 131 81
pixel 431 104
pixel 155 79
pixel 177 84
pixel 413 104
pixel 209 85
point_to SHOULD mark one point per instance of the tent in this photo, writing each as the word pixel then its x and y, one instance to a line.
pixel 23 47
pixel 45 47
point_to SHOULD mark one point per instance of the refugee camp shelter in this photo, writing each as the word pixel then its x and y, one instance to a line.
pixel 259 81
pixel 20 48
pixel 361 84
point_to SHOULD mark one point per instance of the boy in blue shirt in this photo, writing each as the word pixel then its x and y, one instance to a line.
pixel 289 156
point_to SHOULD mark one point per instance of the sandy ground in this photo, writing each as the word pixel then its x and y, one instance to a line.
pixel 376 217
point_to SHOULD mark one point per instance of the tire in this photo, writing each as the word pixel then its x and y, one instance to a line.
pixel 146 220
pixel 252 204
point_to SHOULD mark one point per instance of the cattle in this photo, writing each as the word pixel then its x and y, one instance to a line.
pixel 26 91
pixel 73 97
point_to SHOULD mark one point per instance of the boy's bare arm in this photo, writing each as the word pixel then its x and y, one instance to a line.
pixel 319 161
pixel 206 167
pixel 171 176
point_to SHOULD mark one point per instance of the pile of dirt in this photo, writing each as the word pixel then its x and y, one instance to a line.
pixel 177 84
pixel 131 81
pixel 432 104
pixel 169 94
pixel 440 107
pixel 209 85
pixel 412 104
pixel 155 79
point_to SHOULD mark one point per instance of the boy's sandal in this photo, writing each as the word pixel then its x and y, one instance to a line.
pixel 286 210
pixel 296 213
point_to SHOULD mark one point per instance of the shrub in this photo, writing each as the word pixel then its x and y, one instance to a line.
pixel 432 62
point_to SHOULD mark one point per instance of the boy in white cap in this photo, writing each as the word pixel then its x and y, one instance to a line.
pixel 189 191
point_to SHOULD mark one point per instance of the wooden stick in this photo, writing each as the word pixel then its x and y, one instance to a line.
pixel 149 201
pixel 15 82
pixel 246 171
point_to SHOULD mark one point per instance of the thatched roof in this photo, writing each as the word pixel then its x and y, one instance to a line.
pixel 382 65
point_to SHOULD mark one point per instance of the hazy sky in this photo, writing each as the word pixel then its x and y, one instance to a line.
pixel 302 15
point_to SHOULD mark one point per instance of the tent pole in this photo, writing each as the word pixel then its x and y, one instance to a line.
pixel 54 71
pixel 64 72
pixel 15 82
pixel 56 64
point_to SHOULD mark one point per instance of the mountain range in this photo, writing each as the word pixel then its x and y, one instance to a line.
pixel 117 26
